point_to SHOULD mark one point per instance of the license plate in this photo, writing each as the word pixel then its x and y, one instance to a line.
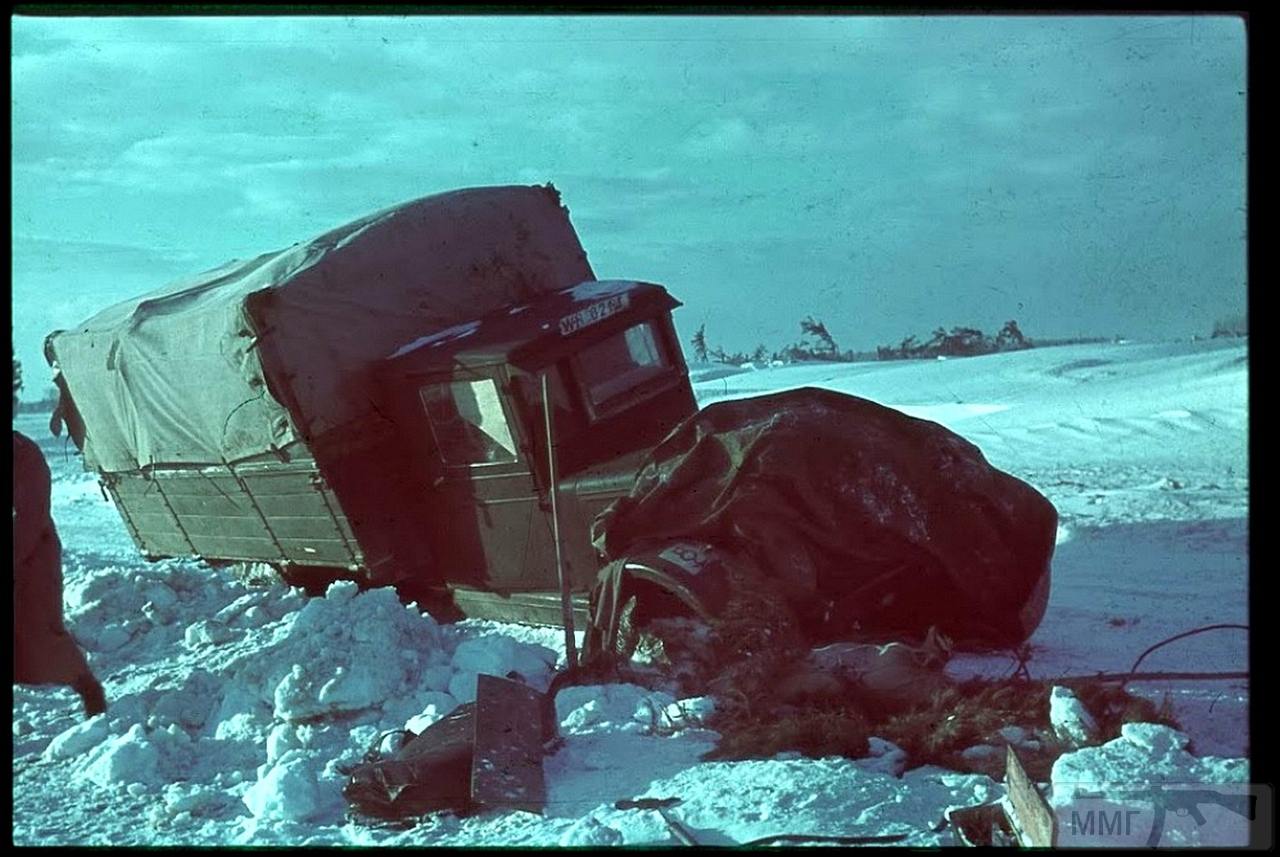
pixel 595 312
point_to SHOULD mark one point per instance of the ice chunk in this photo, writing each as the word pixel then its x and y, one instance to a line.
pixel 436 678
pixel 692 712
pixel 78 739
pixel 621 707
pixel 1148 754
pixel 499 655
pixel 434 706
pixel 590 831
pixel 1154 737
pixel 128 758
pixel 206 632
pixel 341 590
pixel 462 686
pixel 1071 721
pixel 883 757
pixel 291 791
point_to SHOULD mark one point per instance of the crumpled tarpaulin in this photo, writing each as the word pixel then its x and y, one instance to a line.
pixel 876 523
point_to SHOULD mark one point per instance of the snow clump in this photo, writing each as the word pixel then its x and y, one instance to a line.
pixel 1144 755
pixel 351 651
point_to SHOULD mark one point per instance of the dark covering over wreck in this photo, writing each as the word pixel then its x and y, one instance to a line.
pixel 876 524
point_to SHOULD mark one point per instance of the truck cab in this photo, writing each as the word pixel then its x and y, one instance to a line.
pixel 469 402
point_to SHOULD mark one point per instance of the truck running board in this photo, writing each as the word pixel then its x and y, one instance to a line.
pixel 525 608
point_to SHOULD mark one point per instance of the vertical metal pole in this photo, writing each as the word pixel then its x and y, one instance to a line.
pixel 566 604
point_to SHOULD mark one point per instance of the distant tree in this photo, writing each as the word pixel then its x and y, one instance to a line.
pixel 826 345
pixel 1010 336
pixel 760 355
pixel 1235 326
pixel 699 343
pixel 962 341
pixel 958 342
pixel 17 374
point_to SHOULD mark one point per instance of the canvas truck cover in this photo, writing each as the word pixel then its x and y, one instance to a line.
pixel 252 356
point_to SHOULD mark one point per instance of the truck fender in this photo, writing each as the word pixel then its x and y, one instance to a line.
pixel 676 578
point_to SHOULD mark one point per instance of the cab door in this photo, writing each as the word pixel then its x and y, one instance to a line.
pixel 486 521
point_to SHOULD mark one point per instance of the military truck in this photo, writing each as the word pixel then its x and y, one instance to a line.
pixel 392 401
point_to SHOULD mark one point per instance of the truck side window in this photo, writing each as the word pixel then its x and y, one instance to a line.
pixel 621 363
pixel 468 422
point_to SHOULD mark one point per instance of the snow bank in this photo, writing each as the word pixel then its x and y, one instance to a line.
pixel 277 692
pixel 614 707
pixel 1107 795
pixel 729 803
pixel 1145 754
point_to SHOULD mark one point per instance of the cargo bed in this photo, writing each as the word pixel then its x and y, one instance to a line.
pixel 253 512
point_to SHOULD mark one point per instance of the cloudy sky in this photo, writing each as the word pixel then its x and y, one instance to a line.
pixel 887 175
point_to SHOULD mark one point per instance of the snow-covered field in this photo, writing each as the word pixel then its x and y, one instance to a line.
pixel 233 706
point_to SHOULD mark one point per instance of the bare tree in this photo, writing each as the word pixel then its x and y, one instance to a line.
pixel 818 330
pixel 1010 336
pixel 699 343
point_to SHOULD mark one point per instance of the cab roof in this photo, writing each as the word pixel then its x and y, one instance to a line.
pixel 515 332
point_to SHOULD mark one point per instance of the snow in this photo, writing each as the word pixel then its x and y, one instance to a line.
pixel 450 334
pixel 594 290
pixel 1071 721
pixel 233 706
pixel 1121 775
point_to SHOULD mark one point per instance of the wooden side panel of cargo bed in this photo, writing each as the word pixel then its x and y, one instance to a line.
pixel 270 514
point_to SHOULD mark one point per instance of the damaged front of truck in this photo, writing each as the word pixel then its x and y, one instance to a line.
pixel 472 404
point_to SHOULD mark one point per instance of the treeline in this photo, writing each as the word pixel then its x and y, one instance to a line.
pixel 47 403
pixel 817 343
pixel 958 342
pixel 44 405
pixel 1233 326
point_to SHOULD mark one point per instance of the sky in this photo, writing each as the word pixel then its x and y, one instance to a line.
pixel 886 175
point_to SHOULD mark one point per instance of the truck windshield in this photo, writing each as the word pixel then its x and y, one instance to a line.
pixel 620 364
pixel 468 422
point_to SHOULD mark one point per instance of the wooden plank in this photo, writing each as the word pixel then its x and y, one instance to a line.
pixel 224 546
pixel 506 765
pixel 210 507
pixel 163 543
pixel 294 528
pixel 147 519
pixel 287 512
pixel 981 826
pixel 1033 819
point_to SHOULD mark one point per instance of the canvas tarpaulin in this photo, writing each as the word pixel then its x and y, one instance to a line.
pixel 877 524
pixel 250 357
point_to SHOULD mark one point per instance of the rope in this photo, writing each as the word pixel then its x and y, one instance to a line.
pixel 1133 675
pixel 1192 632
pixel 1125 678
